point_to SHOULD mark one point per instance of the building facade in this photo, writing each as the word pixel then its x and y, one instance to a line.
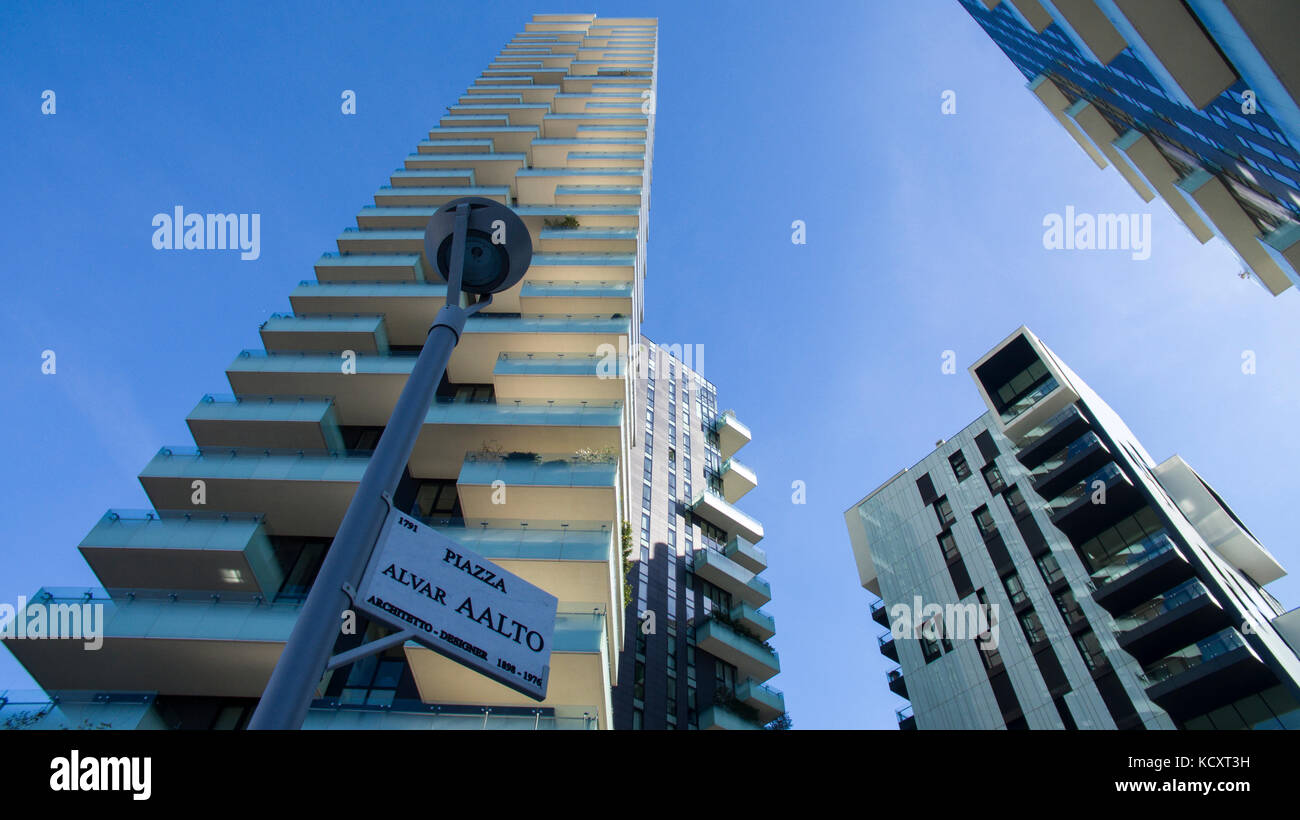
pixel 532 454
pixel 1192 101
pixel 697 654
pixel 1039 570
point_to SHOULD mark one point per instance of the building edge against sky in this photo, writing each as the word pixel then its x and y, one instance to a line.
pixel 199 594
pixel 1194 102
pixel 1115 592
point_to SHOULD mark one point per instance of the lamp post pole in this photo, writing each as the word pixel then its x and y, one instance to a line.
pixel 292 685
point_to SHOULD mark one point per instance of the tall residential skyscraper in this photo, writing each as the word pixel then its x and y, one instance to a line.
pixel 1062 578
pixel 1191 100
pixel 535 454
pixel 697 654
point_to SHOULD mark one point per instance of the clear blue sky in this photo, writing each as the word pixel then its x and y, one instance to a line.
pixel 924 235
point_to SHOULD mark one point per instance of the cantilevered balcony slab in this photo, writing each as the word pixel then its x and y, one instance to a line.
pixel 1087 25
pixel 737 479
pixel 434 171
pixel 576 297
pixel 529 92
pixel 299 422
pixel 528 486
pixel 769 702
pixel 716 510
pixel 333 267
pixel 1215 204
pixel 1169 37
pixel 753 619
pixel 566 126
pixel 732 434
pixel 362 333
pixel 596 267
pixel 722 572
pixel 364 396
pixel 516 113
pixel 494 169
pixel 717 717
pixel 300 493
pixel 1103 135
pixel 413 196
pixel 1056 102
pixel 200 645
pixel 486 337
pixel 193 551
pixel 579 677
pixel 554 153
pixel 537 186
pixel 750 657
pixel 481 145
pixel 588 240
pixel 407 241
pixel 505 138
pixel 561 377
pixel 748 555
pixel 611 195
pixel 408 307
pixel 453 429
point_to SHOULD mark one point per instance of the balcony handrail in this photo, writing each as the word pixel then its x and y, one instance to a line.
pixel 1192 655
pixel 259 452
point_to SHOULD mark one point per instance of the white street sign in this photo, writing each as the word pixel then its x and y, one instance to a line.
pixel 460 604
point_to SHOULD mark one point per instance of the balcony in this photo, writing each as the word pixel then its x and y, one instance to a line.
pixel 732 435
pixel 288 333
pixel 579 681
pixel 302 422
pixel 37 710
pixel 408 308
pixel 333 715
pixel 389 267
pixel 717 511
pixel 750 656
pixel 561 377
pixel 405 196
pixel 1056 432
pixel 737 479
pixel 486 337
pixel 1213 202
pixel 539 486
pixel 1142 155
pixel 1207 674
pixel 424 171
pixel 576 297
pixel 1138 572
pixel 511 139
pixel 359 241
pixel 183 551
pixel 303 492
pixel 491 169
pixel 541 186
pixel 722 572
pixel 1170 620
pixel 888 646
pixel 180 643
pixel 588 240
pixel 878 613
pixel 1103 135
pixel 753 620
pixel 1069 465
pixel 1078 515
pixel 767 701
pixel 610 267
pixel 906 719
pixel 746 554
pixel 896 683
pixel 719 717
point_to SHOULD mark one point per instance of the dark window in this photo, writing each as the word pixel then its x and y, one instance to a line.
pixel 1015 589
pixel 984 520
pixel 943 510
pixel 1063 710
pixel 988 449
pixel 1033 627
pixel 1015 502
pixel 930 649
pixel 1050 569
pixel 993 478
pixel 925 486
pixel 1070 609
pixel 1090 649
pixel 949 546
pixel 959 466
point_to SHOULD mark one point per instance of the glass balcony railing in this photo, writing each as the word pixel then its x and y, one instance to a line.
pixel 595 469
pixel 1192 656
pixel 1084 488
pixel 258 463
pixel 1032 437
pixel 413 714
pixel 1024 403
pixel 1159 605
pixel 1083 444
pixel 1123 562
pixel 448 410
pixel 556 364
pixel 70 709
pixel 577 290
pixel 904 713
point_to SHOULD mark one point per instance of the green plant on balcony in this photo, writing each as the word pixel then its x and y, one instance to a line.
pixel 780 722
pixel 22 720
pixel 522 456
pixel 723 618
pixel 567 222
pixel 598 455
pixel 627 562
pixel 727 700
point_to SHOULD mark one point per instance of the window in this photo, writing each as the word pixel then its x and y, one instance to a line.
pixel 1069 607
pixel 1015 502
pixel 960 468
pixel 1015 589
pixel 1050 569
pixel 993 478
pixel 990 656
pixel 948 545
pixel 1033 627
pixel 930 649
pixel 1090 649
pixel 943 510
pixel 984 520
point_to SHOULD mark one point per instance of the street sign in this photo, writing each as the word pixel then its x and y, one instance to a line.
pixel 460 605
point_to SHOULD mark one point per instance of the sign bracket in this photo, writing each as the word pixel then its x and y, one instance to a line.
pixel 365 650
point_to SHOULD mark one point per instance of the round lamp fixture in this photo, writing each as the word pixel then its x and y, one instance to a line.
pixel 498 248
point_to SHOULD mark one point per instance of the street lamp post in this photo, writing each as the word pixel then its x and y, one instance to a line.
pixel 480 247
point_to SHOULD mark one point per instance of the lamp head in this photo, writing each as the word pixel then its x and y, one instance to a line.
pixel 498 248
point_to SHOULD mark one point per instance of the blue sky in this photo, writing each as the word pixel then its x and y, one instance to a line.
pixel 924 235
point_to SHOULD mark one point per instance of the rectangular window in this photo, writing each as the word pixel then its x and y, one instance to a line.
pixel 1033 626
pixel 948 545
pixel 943 510
pixel 960 468
pixel 1015 502
pixel 1091 650
pixel 1050 569
pixel 993 478
pixel 984 520
pixel 930 649
pixel 1015 589
pixel 1069 607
